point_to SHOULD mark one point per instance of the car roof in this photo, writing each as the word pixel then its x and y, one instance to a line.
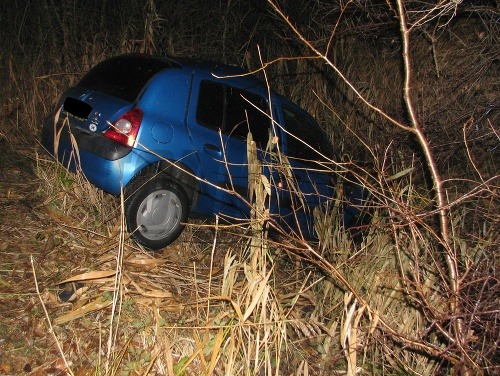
pixel 231 74
pixel 205 65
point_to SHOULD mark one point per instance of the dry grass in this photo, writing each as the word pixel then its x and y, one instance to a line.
pixel 220 301
pixel 201 305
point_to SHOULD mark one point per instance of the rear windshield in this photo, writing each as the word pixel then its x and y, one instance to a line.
pixel 123 76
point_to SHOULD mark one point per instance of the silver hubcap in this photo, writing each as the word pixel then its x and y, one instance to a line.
pixel 159 214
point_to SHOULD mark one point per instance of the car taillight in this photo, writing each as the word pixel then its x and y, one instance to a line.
pixel 125 129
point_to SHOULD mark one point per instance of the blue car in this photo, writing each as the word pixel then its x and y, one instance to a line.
pixel 171 133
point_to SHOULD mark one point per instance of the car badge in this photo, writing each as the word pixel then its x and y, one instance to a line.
pixel 94 121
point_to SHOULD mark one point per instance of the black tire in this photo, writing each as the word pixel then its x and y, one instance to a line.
pixel 155 211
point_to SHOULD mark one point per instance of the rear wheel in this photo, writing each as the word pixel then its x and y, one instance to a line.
pixel 155 211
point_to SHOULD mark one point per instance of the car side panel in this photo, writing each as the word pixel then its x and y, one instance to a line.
pixel 163 131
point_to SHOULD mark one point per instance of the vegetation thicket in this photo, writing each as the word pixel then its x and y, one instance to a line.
pixel 408 94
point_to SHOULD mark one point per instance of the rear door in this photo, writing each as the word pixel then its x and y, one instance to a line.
pixel 219 122
pixel 245 112
pixel 205 121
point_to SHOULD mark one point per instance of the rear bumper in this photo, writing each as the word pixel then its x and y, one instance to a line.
pixel 105 163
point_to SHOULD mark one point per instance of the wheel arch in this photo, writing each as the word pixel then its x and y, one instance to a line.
pixel 177 172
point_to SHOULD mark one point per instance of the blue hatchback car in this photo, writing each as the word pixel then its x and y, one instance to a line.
pixel 172 134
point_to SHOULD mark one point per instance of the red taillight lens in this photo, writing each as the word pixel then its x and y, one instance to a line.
pixel 125 129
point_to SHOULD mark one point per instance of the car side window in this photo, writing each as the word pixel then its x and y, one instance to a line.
pixel 233 110
pixel 210 110
pixel 247 112
pixel 305 131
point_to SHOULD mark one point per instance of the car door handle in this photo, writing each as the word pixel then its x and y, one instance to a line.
pixel 212 149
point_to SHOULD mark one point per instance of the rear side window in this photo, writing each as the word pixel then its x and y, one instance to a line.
pixel 233 110
pixel 305 131
pixel 210 110
pixel 123 76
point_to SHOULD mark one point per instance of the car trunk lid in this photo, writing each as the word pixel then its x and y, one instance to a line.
pixel 92 110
